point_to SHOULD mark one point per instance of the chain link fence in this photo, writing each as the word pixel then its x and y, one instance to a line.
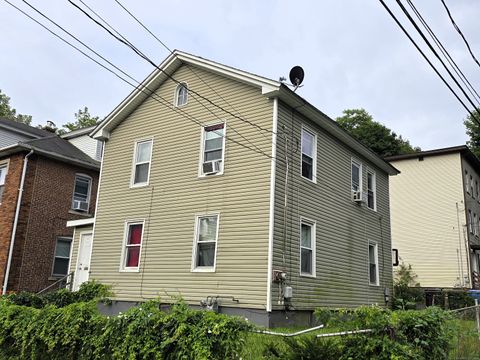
pixel 467 326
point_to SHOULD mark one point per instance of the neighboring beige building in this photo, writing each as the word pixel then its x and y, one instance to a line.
pixel 435 208
pixel 229 189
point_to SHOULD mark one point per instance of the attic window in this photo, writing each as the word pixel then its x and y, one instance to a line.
pixel 181 95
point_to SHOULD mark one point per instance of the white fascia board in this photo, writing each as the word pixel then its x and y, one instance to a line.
pixel 80 222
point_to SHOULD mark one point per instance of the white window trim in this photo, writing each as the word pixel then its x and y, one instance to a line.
pixel 89 189
pixel 132 177
pixel 6 165
pixel 52 274
pixel 213 268
pixel 360 166
pixel 475 225
pixel 202 149
pixel 374 178
pixel 314 169
pixel 175 95
pixel 377 275
pixel 313 224
pixel 470 222
pixel 123 258
pixel 467 182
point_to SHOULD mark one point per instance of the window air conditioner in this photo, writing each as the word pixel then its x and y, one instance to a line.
pixel 80 205
pixel 211 167
pixel 357 196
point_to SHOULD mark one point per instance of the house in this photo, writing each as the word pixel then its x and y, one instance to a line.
pixel 232 191
pixel 435 206
pixel 81 139
pixel 44 182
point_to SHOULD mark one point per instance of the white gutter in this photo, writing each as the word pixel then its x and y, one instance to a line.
pixel 272 205
pixel 15 222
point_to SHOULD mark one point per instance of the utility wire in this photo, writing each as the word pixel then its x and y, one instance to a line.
pixel 427 59
pixel 420 32
pixel 445 53
pixel 460 32
pixel 139 87
pixel 162 43
pixel 147 59
pixel 203 105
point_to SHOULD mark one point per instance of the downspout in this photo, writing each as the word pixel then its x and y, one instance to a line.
pixel 272 205
pixel 15 223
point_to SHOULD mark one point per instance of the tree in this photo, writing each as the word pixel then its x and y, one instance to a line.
pixel 83 119
pixel 473 132
pixel 6 111
pixel 360 124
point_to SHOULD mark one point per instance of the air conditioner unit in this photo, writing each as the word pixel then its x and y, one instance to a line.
pixel 357 196
pixel 80 205
pixel 211 167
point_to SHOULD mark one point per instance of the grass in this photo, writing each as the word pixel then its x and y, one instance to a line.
pixel 467 343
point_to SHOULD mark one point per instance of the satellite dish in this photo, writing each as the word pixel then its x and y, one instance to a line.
pixel 296 76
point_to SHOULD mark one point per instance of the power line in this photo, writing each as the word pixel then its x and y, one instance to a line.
pixel 147 59
pixel 445 53
pixel 426 58
pixel 420 32
pixel 140 87
pixel 460 32
pixel 126 40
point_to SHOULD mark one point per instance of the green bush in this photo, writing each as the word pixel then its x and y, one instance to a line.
pixel 406 290
pixel 79 331
pixel 412 335
pixel 90 290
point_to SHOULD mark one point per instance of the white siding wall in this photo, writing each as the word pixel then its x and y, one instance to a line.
pixel 87 145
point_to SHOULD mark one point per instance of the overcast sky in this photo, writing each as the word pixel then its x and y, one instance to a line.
pixel 353 54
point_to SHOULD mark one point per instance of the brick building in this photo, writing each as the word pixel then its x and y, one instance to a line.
pixel 44 182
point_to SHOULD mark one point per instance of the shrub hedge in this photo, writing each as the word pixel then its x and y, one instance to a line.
pixel 79 331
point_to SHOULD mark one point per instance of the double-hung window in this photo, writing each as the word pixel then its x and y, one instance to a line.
pixel 356 176
pixel 467 183
pixel 475 224
pixel 470 222
pixel 205 247
pixel 62 256
pixel 213 149
pixel 309 149
pixel 133 246
pixel 181 95
pixel 373 263
pixel 81 193
pixel 142 161
pixel 471 186
pixel 3 174
pixel 371 190
pixel 307 248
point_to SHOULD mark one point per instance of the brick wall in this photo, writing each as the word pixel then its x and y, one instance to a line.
pixel 8 206
pixel 45 210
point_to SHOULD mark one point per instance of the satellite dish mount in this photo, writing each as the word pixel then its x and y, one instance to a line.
pixel 296 77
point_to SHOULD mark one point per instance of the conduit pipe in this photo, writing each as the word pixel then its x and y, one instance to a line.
pixel 15 223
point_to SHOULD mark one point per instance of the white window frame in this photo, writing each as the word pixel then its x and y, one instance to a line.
pixel 374 182
pixel 63 238
pixel 194 267
pixel 90 182
pixel 475 225
pixel 202 149
pixel 377 272
pixel 123 258
pixel 3 165
pixel 313 226
pixel 134 163
pixel 471 186
pixel 467 180
pixel 470 221
pixel 306 129
pixel 177 93
pixel 360 171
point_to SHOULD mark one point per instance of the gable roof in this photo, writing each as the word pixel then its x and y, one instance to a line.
pixel 56 148
pixel 269 88
pixel 461 149
pixel 23 129
pixel 77 133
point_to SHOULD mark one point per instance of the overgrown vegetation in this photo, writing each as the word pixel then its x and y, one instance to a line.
pixel 88 291
pixel 406 290
pixel 79 331
pixel 424 334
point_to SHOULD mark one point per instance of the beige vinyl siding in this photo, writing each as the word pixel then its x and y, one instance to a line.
pixel 79 230
pixel 343 228
pixel 175 195
pixel 424 199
